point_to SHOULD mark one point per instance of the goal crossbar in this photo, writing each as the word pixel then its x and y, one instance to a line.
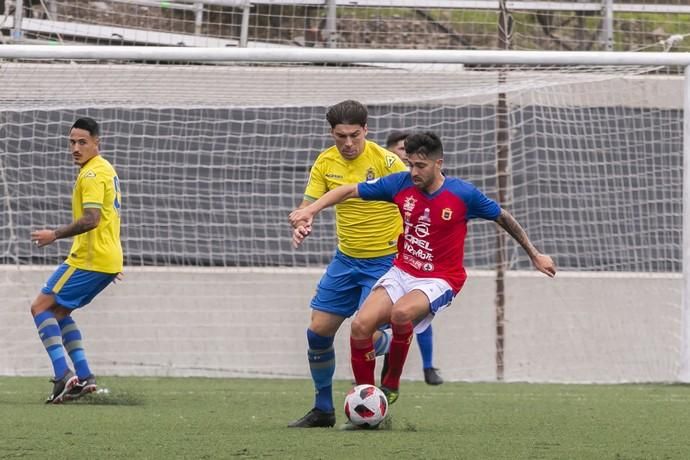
pixel 344 56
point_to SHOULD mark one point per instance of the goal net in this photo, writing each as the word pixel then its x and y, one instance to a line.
pixel 213 156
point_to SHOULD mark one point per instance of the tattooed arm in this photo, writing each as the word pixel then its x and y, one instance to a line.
pixel 88 221
pixel 541 262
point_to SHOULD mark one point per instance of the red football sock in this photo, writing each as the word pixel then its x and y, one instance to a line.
pixel 400 345
pixel 363 360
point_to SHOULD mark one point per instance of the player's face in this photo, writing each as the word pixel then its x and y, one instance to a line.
pixel 349 140
pixel 425 172
pixel 82 145
pixel 399 149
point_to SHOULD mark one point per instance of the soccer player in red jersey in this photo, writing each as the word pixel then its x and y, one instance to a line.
pixel 428 270
pixel 395 142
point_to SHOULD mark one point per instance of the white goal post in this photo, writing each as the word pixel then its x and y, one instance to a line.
pixel 213 148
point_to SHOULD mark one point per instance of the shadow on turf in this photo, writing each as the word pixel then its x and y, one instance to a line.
pixel 387 425
pixel 399 425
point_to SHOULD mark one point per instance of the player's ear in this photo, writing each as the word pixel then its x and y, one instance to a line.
pixel 365 129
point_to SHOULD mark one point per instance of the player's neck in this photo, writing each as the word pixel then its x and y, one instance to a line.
pixel 89 160
pixel 435 186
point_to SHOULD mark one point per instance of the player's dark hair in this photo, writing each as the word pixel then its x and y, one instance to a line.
pixel 87 124
pixel 394 137
pixel 425 144
pixel 347 113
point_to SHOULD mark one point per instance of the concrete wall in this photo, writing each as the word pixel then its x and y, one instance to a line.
pixel 224 322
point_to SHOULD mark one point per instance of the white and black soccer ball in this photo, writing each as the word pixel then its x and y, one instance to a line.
pixel 366 406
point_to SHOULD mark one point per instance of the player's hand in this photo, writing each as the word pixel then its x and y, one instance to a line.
pixel 119 277
pixel 544 264
pixel 43 237
pixel 301 218
pixel 299 234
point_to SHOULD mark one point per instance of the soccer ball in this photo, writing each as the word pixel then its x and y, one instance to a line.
pixel 366 406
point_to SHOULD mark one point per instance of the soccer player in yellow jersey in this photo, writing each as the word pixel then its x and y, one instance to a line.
pixel 94 261
pixel 367 234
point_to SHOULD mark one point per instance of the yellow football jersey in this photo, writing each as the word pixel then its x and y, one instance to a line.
pixel 99 250
pixel 365 229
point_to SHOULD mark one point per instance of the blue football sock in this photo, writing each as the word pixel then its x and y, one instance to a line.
pixel 71 339
pixel 383 343
pixel 322 366
pixel 49 333
pixel 426 347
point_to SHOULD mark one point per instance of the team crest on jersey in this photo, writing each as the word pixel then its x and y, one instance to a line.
pixel 409 203
pixel 390 159
pixel 446 214
pixel 370 174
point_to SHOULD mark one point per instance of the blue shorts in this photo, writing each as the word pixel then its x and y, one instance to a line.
pixel 347 282
pixel 73 287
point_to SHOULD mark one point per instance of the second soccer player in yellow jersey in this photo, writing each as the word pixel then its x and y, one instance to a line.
pixel 94 261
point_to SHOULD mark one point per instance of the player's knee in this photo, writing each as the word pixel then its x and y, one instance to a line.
pixel 400 315
pixel 37 308
pixel 41 304
pixel 61 312
pixel 324 329
pixel 359 329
